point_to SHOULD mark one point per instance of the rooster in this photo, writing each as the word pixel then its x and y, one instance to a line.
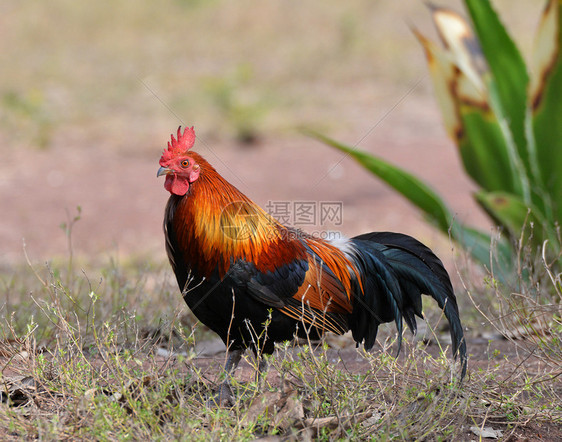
pixel 254 281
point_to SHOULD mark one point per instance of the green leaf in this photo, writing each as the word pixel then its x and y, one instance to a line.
pixel 546 102
pixel 421 195
pixel 491 252
pixel 521 220
pixel 484 152
pixel 408 185
pixel 508 82
pixel 464 105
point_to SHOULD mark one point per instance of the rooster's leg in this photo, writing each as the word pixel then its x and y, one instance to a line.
pixel 225 396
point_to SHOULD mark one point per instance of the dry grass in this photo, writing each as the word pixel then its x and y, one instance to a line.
pixel 103 354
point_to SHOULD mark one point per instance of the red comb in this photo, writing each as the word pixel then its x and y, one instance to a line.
pixel 180 145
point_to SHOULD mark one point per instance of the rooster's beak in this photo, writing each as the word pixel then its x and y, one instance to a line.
pixel 163 171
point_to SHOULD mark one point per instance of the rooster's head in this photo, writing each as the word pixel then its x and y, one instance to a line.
pixel 179 167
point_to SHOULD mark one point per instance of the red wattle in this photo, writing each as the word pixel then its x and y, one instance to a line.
pixel 176 185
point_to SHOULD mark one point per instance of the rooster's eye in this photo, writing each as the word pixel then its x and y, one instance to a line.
pixel 184 163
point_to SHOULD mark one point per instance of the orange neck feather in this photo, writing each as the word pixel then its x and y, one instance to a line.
pixel 216 223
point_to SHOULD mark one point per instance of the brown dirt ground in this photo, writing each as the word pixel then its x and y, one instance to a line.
pixel 122 201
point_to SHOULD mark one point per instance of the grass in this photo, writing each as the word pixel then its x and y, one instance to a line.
pixel 103 353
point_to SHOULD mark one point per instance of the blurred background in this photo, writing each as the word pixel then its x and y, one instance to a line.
pixel 90 92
